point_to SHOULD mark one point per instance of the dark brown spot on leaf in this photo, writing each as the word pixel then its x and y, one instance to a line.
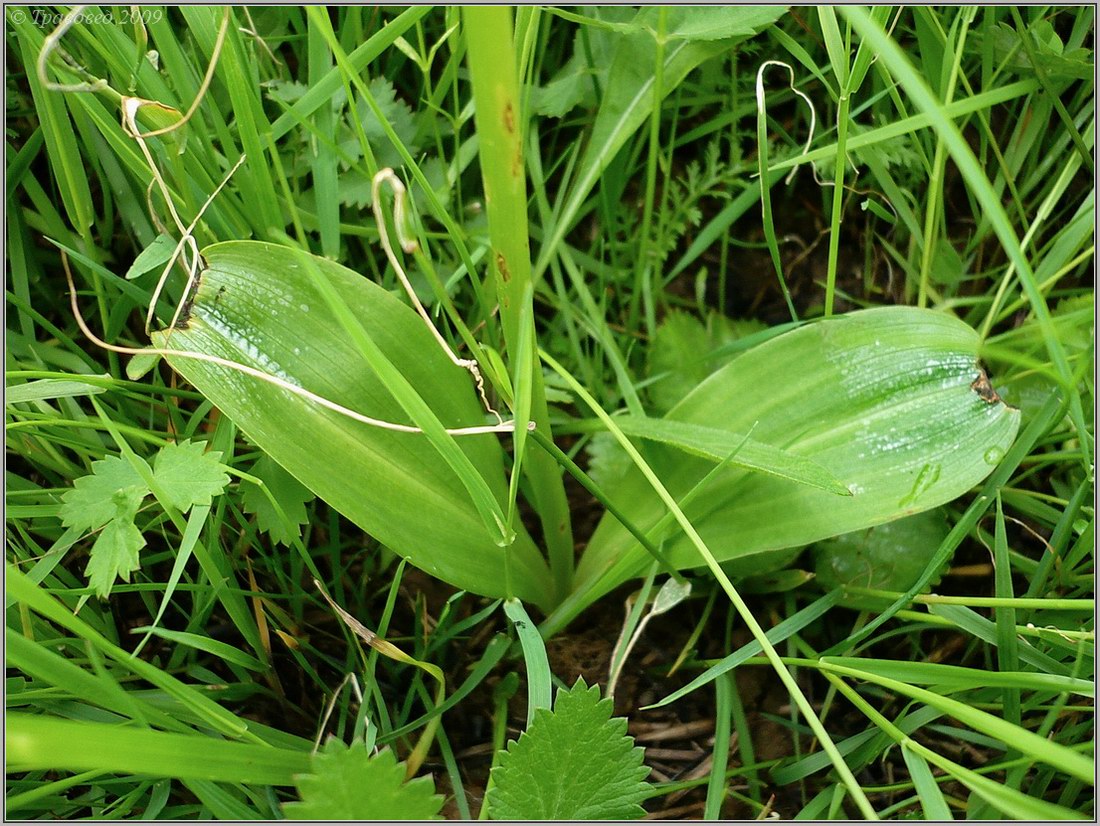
pixel 984 389
pixel 509 118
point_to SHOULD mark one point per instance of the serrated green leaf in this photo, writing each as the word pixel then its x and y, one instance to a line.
pixel 189 474
pixel 575 763
pixel 91 503
pixel 347 783
pixel 677 359
pixel 397 114
pixel 115 552
pixel 888 557
pixel 291 495
pixel 685 351
pixel 607 461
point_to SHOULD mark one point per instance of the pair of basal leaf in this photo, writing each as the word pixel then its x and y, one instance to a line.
pixel 838 425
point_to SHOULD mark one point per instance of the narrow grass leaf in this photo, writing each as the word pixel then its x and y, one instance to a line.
pixel 534 656
pixel 629 96
pixel 36 742
pixel 717 445
pixel 22 590
pixel 955 677
pixel 1064 759
pixel 926 787
pixel 47 389
pixel 219 649
pixel 782 631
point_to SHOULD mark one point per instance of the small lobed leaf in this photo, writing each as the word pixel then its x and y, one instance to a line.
pixel 91 503
pixel 291 495
pixel 677 359
pixel 888 557
pixel 348 783
pixel 575 763
pixel 189 474
pixel 684 351
pixel 115 552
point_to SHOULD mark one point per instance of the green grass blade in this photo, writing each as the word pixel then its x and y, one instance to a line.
pixel 539 686
pixel 1040 748
pixel 713 443
pixel 629 97
pixel 926 787
pixel 38 742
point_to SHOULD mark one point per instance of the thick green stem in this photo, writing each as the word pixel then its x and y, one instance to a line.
pixel 494 75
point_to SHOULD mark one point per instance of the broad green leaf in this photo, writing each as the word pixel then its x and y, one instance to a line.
pixel 91 503
pixel 575 763
pixel 891 401
pixel 291 495
pixel 629 92
pixel 256 305
pixel 347 783
pixel 189 474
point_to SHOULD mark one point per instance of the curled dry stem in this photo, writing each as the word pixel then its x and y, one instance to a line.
pixel 410 245
pixel 51 45
pixel 187 247
pixel 506 427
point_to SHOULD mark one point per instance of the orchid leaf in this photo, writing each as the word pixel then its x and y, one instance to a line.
pixel 257 305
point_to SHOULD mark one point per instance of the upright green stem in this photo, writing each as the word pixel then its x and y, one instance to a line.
pixel 643 271
pixel 939 164
pixel 494 75
pixel 838 199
